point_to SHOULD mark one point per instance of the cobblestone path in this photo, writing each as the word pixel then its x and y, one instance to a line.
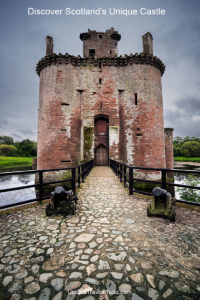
pixel 109 250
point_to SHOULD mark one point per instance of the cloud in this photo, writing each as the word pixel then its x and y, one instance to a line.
pixel 186 117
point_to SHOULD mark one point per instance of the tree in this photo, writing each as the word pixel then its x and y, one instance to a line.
pixel 8 150
pixel 26 148
pixel 6 140
pixel 191 149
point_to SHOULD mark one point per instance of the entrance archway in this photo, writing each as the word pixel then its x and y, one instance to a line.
pixel 101 156
pixel 101 140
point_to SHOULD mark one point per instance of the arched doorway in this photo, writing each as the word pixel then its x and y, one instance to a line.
pixel 101 140
pixel 101 156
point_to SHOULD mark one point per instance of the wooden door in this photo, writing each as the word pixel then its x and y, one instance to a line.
pixel 101 156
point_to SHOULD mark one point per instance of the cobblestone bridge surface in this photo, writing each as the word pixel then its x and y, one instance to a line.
pixel 109 250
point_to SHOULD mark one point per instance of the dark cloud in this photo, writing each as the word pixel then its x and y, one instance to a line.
pixel 186 117
pixel 176 42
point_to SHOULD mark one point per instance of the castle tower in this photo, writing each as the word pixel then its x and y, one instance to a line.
pixel 100 44
pixel 101 105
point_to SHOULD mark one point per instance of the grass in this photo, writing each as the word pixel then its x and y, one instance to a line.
pixel 7 162
pixel 189 159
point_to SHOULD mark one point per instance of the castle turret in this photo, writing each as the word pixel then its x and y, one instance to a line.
pixel 49 45
pixel 100 44
pixel 147 39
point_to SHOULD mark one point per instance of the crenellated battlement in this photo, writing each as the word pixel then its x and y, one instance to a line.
pixel 118 61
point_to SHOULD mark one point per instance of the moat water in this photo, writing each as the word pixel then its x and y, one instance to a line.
pixel 11 181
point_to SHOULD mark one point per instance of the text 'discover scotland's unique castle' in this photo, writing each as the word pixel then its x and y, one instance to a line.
pixel 102 105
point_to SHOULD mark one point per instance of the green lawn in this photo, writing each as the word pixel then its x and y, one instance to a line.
pixel 7 162
pixel 190 159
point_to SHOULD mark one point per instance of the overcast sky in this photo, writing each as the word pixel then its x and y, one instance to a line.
pixel 22 39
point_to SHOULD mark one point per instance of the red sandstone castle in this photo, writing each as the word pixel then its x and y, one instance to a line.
pixel 102 105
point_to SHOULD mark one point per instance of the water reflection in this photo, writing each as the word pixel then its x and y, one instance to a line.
pixel 11 181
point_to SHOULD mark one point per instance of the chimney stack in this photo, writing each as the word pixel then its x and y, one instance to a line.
pixel 147 43
pixel 49 45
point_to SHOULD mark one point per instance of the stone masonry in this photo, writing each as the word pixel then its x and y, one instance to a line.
pixel 109 250
pixel 125 91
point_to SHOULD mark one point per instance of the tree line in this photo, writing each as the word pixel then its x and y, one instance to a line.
pixel 187 147
pixel 10 148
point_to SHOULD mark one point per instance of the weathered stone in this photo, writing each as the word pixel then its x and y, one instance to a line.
pixel 45 294
pixel 58 296
pixel 130 221
pixel 32 288
pixel 90 269
pixel 92 244
pixel 35 269
pixel 102 275
pixel 117 257
pixel 85 289
pixel 57 283
pixel 15 286
pixel 167 293
pixel 75 275
pixel 54 263
pixel 84 238
pixel 161 284
pixel 21 275
pixel 172 274
pixel 125 288
pixel 138 277
pixel 45 277
pixel 15 297
pixel 11 253
pixel 7 280
pixel 94 258
pixel 150 279
pixel 72 285
pixel 117 275
pixel 28 279
pixel 110 286
pixel 146 265
pixel 103 265
pixel 153 294
pixel 136 297
pixel 182 287
pixel 92 280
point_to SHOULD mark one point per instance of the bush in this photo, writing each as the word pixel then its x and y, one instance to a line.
pixel 8 150
pixel 191 149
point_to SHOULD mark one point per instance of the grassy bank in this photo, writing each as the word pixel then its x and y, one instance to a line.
pixel 7 162
pixel 189 159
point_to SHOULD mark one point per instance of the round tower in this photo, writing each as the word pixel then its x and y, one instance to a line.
pixel 101 105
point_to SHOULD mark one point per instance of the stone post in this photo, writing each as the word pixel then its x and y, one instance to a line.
pixel 169 149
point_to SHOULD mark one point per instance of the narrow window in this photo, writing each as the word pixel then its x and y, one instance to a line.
pixel 136 99
pixel 99 64
pixel 100 36
pixel 64 103
pixel 138 129
pixel 100 80
pixel 64 161
pixel 110 51
pixel 92 52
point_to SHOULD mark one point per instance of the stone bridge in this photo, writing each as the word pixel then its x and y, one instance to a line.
pixel 109 250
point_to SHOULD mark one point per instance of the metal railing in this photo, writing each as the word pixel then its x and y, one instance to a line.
pixel 126 175
pixel 78 175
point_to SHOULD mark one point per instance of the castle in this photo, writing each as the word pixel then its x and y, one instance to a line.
pixel 102 105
